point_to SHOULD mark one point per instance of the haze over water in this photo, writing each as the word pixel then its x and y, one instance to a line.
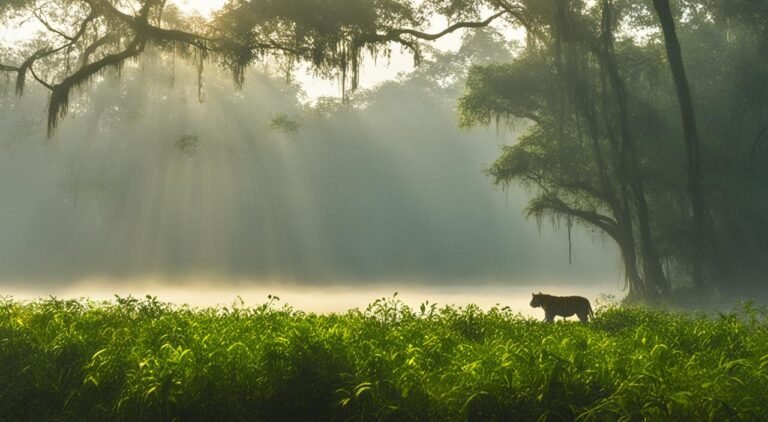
pixel 147 190
pixel 327 299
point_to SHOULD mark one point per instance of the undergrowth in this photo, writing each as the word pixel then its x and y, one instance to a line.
pixel 133 359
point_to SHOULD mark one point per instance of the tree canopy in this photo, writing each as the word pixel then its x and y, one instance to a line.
pixel 606 87
pixel 82 38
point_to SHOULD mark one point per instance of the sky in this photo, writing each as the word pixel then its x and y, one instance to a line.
pixel 146 190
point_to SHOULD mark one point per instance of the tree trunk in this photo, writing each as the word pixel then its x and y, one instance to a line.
pixel 637 289
pixel 619 208
pixel 630 190
pixel 695 192
pixel 655 279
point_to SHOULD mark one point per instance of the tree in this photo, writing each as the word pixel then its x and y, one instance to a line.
pixel 578 101
pixel 94 35
pixel 692 144
pixel 602 147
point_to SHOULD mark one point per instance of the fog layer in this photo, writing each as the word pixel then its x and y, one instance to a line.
pixel 145 180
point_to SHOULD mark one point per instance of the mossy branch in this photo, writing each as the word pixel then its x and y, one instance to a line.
pixel 551 203
pixel 57 107
pixel 236 50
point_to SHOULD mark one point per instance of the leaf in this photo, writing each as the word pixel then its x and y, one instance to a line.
pixel 682 397
pixel 95 355
pixel 470 402
pixel 362 388
pixel 659 351
pixel 91 380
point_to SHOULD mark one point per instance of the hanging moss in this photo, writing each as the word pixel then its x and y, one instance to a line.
pixel 332 36
pixel 59 101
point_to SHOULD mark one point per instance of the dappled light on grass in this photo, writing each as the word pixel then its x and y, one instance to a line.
pixel 132 359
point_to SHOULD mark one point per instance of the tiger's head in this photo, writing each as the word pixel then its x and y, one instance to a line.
pixel 537 300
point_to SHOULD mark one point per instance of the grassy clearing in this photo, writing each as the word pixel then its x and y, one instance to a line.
pixel 145 360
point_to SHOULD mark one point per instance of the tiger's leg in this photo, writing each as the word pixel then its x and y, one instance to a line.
pixel 583 316
pixel 549 317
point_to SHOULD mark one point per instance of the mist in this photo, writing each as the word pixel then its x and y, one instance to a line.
pixel 383 210
pixel 154 183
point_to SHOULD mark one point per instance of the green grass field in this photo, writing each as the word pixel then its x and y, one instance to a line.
pixel 145 360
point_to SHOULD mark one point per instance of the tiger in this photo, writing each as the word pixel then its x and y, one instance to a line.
pixel 564 306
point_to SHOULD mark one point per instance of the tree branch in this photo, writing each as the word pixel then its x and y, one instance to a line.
pixel 515 13
pixel 39 79
pixel 21 76
pixel 50 28
pixel 91 48
pixel 141 26
pixel 395 33
pixel 59 101
pixel 587 189
pixel 557 205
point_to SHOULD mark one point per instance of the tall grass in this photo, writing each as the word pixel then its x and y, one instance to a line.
pixel 135 359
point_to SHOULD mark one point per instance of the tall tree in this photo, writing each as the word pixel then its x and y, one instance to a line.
pixel 656 282
pixel 702 240
pixel 586 103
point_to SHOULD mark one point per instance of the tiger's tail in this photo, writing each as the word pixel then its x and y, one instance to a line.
pixel 589 308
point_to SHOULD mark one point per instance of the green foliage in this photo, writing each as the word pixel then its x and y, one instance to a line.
pixel 284 123
pixel 187 144
pixel 521 89
pixel 143 359
pixel 326 34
